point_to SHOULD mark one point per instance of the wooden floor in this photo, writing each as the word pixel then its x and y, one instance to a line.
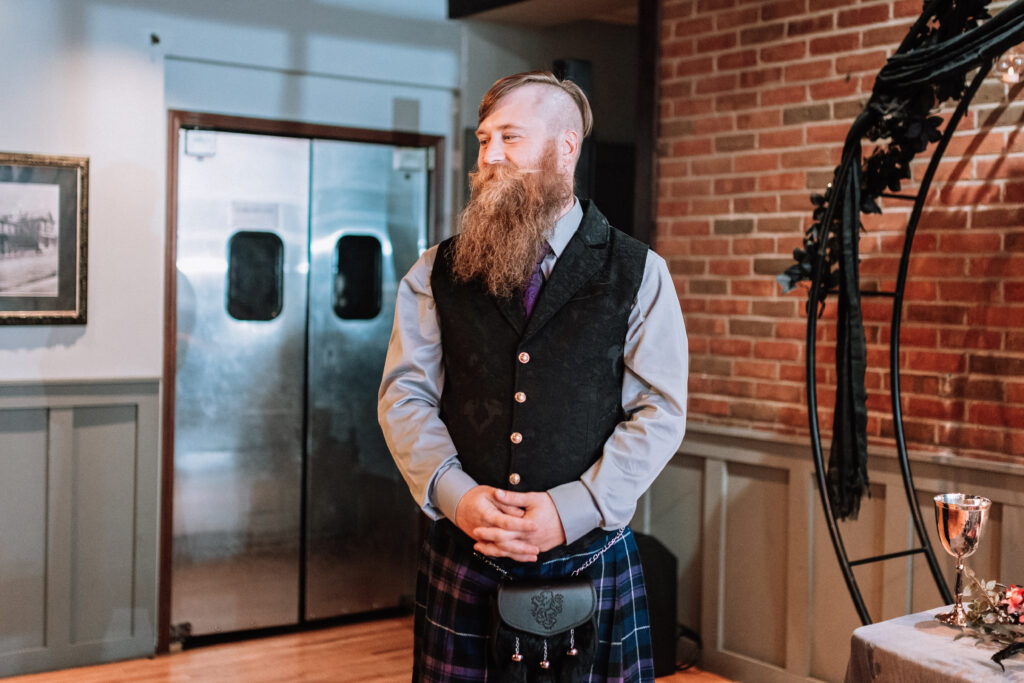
pixel 368 651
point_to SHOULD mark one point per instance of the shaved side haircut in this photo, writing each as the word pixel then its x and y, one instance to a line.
pixel 506 85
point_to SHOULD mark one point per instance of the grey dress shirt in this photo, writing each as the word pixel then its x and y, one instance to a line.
pixel 653 400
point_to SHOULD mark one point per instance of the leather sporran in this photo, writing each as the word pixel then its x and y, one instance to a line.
pixel 544 630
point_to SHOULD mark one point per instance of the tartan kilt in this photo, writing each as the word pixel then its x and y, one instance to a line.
pixel 453 613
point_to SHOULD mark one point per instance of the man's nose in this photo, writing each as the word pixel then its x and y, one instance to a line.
pixel 494 153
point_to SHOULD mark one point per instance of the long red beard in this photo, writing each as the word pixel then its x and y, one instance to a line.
pixel 509 215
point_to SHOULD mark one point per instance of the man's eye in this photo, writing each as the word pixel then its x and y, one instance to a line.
pixel 510 137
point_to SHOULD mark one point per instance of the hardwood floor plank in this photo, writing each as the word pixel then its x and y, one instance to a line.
pixel 368 652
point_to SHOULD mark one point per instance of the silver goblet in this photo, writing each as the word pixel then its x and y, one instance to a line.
pixel 959 519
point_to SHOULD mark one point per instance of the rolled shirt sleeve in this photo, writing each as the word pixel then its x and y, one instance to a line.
pixel 654 401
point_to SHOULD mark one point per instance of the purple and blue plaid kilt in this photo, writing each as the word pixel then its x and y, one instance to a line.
pixel 452 616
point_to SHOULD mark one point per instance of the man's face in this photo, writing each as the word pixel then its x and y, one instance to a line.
pixel 515 131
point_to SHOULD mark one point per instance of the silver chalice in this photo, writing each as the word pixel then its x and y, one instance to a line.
pixel 959 519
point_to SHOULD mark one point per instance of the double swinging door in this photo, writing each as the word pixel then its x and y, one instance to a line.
pixel 287 506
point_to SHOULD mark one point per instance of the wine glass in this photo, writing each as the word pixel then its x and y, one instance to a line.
pixel 959 519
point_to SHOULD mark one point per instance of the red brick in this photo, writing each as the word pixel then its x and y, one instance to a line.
pixel 785 52
pixel 832 89
pixel 737 60
pixel 889 36
pixel 875 14
pixel 818 24
pixel 771 118
pixel 759 287
pixel 935 361
pixel 996 316
pixel 936 313
pixel 762 204
pixel 730 267
pixel 781 181
pixel 709 247
pixel 971 242
pixel 712 165
pixel 996 218
pixel 866 61
pixel 996 266
pixel 713 84
pixel 845 42
pixel 755 369
pixel 996 415
pixel 969 339
pixel 762 34
pixel 735 185
pixel 751 78
pixel 690 228
pixel 736 18
pixel 787 95
pixel 782 393
pixel 969 195
pixel 722 41
pixel 827 133
pixel 807 71
pixel 753 245
pixel 781 139
pixel 734 102
pixel 960 290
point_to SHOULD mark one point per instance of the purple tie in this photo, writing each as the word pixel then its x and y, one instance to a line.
pixel 533 285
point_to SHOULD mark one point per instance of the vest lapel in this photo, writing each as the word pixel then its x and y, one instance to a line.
pixel 579 261
pixel 512 309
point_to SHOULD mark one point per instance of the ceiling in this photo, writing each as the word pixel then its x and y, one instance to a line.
pixel 548 13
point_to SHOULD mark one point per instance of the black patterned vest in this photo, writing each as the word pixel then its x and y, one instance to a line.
pixel 530 403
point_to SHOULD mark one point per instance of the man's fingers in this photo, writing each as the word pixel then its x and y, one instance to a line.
pixel 521 500
pixel 501 520
pixel 494 550
pixel 510 509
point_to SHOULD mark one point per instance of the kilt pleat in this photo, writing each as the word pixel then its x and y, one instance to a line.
pixel 453 612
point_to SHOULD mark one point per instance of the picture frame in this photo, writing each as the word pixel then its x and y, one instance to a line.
pixel 44 203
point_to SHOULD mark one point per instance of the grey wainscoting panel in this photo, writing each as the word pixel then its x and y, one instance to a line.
pixel 755 566
pixel 22 530
pixel 79 483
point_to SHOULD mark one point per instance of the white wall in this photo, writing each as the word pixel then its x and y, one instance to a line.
pixel 81 78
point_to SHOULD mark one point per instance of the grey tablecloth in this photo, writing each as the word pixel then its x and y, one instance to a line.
pixel 918 649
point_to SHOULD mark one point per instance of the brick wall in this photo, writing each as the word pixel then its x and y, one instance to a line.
pixel 755 99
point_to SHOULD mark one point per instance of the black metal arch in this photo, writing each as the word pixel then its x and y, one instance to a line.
pixel 949 39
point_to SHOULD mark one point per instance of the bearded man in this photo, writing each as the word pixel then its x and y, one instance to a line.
pixel 535 386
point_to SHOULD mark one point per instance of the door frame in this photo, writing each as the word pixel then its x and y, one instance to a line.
pixel 176 121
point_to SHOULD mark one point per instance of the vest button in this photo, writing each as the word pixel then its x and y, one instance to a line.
pixel 520 397
pixel 516 437
pixel 514 478
pixel 524 357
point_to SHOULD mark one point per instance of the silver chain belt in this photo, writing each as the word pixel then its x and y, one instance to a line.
pixel 576 571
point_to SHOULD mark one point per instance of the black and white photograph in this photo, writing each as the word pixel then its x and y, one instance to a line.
pixel 42 239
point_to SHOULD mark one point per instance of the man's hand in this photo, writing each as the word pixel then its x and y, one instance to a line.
pixel 540 511
pixel 498 526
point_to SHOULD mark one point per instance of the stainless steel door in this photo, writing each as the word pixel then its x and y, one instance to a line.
pixel 240 383
pixel 368 225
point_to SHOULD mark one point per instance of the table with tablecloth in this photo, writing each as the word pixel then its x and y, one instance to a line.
pixel 918 649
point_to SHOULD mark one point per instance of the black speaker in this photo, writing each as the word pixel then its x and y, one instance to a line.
pixel 660 569
pixel 580 72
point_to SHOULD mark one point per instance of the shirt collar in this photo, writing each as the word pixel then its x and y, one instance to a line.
pixel 565 228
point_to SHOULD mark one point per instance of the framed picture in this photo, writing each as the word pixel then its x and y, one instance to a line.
pixel 43 217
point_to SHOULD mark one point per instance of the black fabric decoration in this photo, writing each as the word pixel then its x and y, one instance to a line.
pixel 950 39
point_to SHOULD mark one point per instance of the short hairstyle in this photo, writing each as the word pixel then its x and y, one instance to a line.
pixel 506 85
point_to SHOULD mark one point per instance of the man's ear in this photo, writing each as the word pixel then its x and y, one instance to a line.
pixel 570 147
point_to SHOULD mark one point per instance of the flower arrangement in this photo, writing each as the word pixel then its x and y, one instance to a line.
pixel 995 613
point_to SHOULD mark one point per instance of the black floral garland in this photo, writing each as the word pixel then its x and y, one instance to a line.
pixel 930 67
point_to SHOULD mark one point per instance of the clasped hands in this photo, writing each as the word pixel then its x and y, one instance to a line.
pixel 508 523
